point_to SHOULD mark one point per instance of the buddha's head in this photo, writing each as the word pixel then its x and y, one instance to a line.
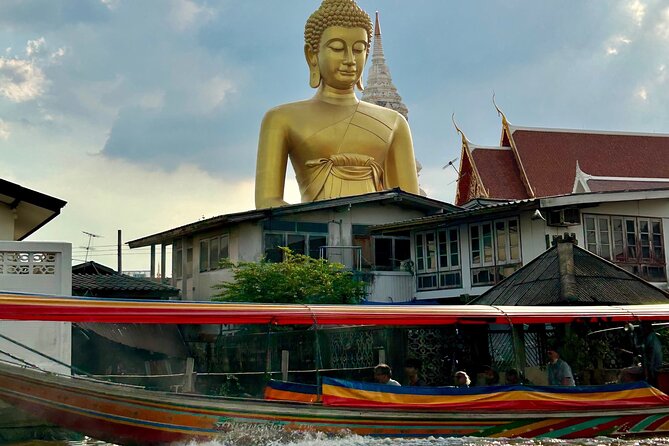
pixel 337 39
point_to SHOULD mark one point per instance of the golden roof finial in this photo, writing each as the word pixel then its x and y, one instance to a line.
pixel 499 112
pixel 462 134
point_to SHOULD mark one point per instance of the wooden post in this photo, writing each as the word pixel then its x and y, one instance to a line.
pixel 153 262
pixel 382 356
pixel 120 258
pixel 163 260
pixel 189 376
pixel 285 356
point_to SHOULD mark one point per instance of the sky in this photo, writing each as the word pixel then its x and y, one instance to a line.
pixel 144 114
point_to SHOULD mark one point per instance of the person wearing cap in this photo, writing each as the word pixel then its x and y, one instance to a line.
pixel 559 372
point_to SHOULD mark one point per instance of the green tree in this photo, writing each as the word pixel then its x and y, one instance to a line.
pixel 298 279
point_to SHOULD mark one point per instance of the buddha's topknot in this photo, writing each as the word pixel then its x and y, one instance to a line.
pixel 344 13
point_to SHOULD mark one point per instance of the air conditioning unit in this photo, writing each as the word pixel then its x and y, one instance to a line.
pixel 564 217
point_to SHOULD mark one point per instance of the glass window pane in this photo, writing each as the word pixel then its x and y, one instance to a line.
pixel 604 238
pixel 430 251
pixel 500 235
pixel 486 231
pixel 213 254
pixel 475 245
pixel 420 255
pixel 383 253
pixel 454 247
pixel 618 240
pixel 443 249
pixel 272 244
pixel 316 242
pixel 402 251
pixel 224 248
pixel 297 243
pixel 204 255
pixel 589 223
pixel 514 240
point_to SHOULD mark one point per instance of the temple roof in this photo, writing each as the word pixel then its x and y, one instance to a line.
pixel 541 162
pixel 549 156
pixel 380 89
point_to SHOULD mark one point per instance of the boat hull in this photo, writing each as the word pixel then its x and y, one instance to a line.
pixel 129 416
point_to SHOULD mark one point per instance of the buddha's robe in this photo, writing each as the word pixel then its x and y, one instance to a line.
pixel 358 148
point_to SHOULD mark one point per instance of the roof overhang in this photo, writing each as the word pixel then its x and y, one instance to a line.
pixel 32 209
pixel 603 197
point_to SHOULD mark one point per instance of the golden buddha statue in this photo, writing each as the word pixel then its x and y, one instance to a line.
pixel 338 145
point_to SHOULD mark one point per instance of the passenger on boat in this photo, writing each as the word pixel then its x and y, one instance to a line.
pixel 383 375
pixel 462 379
pixel 652 353
pixel 511 377
pixel 490 376
pixel 559 372
pixel 412 368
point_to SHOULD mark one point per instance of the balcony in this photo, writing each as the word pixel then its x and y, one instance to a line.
pixel 37 268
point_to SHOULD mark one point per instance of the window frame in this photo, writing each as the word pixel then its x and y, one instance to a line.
pixel 496 264
pixel 623 253
pixel 396 264
pixel 437 273
pixel 213 260
pixel 286 234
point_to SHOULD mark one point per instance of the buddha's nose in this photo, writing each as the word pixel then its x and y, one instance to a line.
pixel 349 59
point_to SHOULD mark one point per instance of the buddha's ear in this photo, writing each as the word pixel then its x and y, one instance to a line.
pixel 359 84
pixel 314 71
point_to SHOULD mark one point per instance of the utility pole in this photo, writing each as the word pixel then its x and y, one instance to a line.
pixel 120 259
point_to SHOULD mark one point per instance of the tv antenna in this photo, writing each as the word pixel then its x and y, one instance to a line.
pixel 91 236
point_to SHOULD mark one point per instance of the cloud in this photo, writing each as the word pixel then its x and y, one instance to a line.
pixel 187 14
pixel 4 130
pixel 21 80
pixel 35 47
pixel 614 43
pixel 50 14
pixel 642 93
pixel 662 27
pixel 638 11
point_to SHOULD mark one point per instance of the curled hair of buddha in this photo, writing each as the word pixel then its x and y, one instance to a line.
pixel 345 13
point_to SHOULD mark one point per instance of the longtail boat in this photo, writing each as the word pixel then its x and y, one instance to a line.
pixel 128 415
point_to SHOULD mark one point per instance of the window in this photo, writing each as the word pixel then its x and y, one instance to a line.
pixel 212 251
pixel 299 243
pixel 633 243
pixel 390 252
pixel 438 259
pixel 494 250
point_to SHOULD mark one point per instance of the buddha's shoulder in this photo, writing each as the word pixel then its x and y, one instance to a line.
pixel 386 115
pixel 290 108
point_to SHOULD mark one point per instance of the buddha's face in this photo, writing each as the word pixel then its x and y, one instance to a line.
pixel 341 56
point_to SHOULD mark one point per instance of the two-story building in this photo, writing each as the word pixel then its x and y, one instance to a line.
pixel 336 229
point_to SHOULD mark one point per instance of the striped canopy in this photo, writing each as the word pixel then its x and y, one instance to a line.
pixel 14 306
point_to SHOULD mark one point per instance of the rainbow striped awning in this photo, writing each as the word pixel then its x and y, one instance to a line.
pixel 337 392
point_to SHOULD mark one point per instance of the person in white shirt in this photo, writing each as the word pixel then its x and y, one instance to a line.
pixel 383 375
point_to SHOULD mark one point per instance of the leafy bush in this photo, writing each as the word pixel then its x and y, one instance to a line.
pixel 298 279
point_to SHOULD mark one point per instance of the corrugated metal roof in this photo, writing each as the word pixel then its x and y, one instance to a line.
pixel 417 201
pixel 598 282
pixel 116 282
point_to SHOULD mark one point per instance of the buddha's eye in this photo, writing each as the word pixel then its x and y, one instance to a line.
pixel 336 46
pixel 359 48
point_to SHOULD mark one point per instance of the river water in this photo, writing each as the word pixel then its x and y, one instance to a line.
pixel 320 440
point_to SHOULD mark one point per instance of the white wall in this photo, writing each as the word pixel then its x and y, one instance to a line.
pixel 6 223
pixel 52 275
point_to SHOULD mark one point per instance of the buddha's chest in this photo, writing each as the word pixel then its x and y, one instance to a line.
pixel 357 133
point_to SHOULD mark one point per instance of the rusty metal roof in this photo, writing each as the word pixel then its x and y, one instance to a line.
pixel 597 282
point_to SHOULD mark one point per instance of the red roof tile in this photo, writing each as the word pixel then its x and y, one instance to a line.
pixel 549 157
pixel 499 173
